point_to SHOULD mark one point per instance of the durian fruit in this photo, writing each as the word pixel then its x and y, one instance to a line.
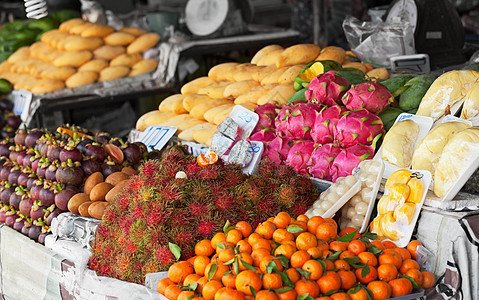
pixel 416 190
pixel 398 144
pixel 400 176
pixel 404 213
pixel 399 193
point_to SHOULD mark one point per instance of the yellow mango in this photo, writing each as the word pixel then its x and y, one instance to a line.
pixel 399 192
pixel 399 176
pixel 404 213
pixel 415 185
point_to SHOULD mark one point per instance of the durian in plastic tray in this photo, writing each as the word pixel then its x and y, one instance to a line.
pixel 425 124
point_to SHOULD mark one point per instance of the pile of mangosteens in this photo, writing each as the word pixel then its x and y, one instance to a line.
pixel 40 171
pixel 9 121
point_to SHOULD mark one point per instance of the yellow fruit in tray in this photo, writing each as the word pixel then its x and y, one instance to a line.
pixel 383 205
pixel 389 227
pixel 404 213
pixel 398 144
pixel 399 192
pixel 376 226
pixel 415 185
pixel 399 176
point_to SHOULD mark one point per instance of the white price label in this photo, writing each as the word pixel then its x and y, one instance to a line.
pixel 157 136
pixel 257 149
pixel 245 118
pixel 21 103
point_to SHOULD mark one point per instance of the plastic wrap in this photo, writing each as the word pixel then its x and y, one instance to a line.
pixel 429 150
pixel 357 211
pixel 446 94
pixel 74 227
pixel 459 160
pixel 377 42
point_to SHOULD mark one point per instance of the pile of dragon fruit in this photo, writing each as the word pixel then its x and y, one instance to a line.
pixel 328 135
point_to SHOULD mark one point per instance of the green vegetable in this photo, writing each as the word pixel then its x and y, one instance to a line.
pixel 64 15
pixel 394 84
pixel 6 86
pixel 418 86
pixel 43 24
pixel 354 76
pixel 298 96
pixel 389 116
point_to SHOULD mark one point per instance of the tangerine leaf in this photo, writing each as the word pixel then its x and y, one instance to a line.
pixel 236 265
pixel 175 249
pixel 355 289
pixel 190 297
pixel 352 260
pixel 414 283
pixel 370 235
pixel 253 291
pixel 334 256
pixel 330 292
pixel 348 237
pixel 374 250
pixel 323 264
pixel 286 280
pixel 303 297
pixel 228 227
pixel 365 271
pixel 229 262
pixel 283 290
pixel 271 267
pixel 212 271
pixel 283 260
pixel 294 229
pixel 370 294
pixel 248 266
pixel 221 246
pixel 303 272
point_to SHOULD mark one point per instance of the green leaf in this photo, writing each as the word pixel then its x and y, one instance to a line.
pixel 276 246
pixel 352 260
pixel 286 280
pixel 283 290
pixel 229 262
pixel 374 250
pixel 192 287
pixel 294 229
pixel 271 267
pixel 283 260
pixel 303 272
pixel 253 291
pixel 236 265
pixel 221 246
pixel 365 271
pixel 190 297
pixel 370 235
pixel 348 237
pixel 330 292
pixel 304 297
pixel 334 256
pixel 355 289
pixel 212 271
pixel 228 227
pixel 175 249
pixel 414 283
pixel 323 264
pixel 248 266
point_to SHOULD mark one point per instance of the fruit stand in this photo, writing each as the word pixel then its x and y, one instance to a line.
pixel 303 173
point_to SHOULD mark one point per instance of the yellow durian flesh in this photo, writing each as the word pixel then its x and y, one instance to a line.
pixel 404 213
pixel 400 176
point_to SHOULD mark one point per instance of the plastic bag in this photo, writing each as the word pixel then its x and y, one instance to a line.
pixel 377 42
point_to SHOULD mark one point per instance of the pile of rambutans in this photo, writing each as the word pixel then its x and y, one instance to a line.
pixel 156 209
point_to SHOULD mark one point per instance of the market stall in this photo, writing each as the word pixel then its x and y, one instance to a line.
pixel 303 172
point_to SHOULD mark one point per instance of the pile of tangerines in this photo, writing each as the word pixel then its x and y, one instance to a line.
pixel 286 258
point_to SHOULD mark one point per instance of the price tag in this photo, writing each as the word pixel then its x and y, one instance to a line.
pixel 245 118
pixel 157 136
pixel 257 148
pixel 21 103
pixel 404 116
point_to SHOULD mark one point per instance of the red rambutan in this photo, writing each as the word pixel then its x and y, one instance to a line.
pixel 109 216
pixel 125 223
pixel 224 201
pixel 286 195
pixel 150 167
pixel 187 253
pixel 122 202
pixel 130 247
pixel 199 208
pixel 209 172
pixel 164 255
pixel 206 228
pixel 299 208
pixel 137 212
pixel 267 206
pixel 157 214
pixel 267 168
pixel 183 238
pixel 169 193
pixel 151 266
pixel 135 183
pixel 192 169
pixel 180 217
pixel 103 231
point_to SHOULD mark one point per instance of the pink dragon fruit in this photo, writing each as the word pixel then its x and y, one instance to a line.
pixel 371 95
pixel 357 127
pixel 348 159
pixel 321 160
pixel 267 114
pixel 297 121
pixel 327 88
pixel 264 135
pixel 281 119
pixel 299 154
pixel 323 129
pixel 277 150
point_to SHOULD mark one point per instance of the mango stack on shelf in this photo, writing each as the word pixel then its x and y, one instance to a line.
pixel 79 53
